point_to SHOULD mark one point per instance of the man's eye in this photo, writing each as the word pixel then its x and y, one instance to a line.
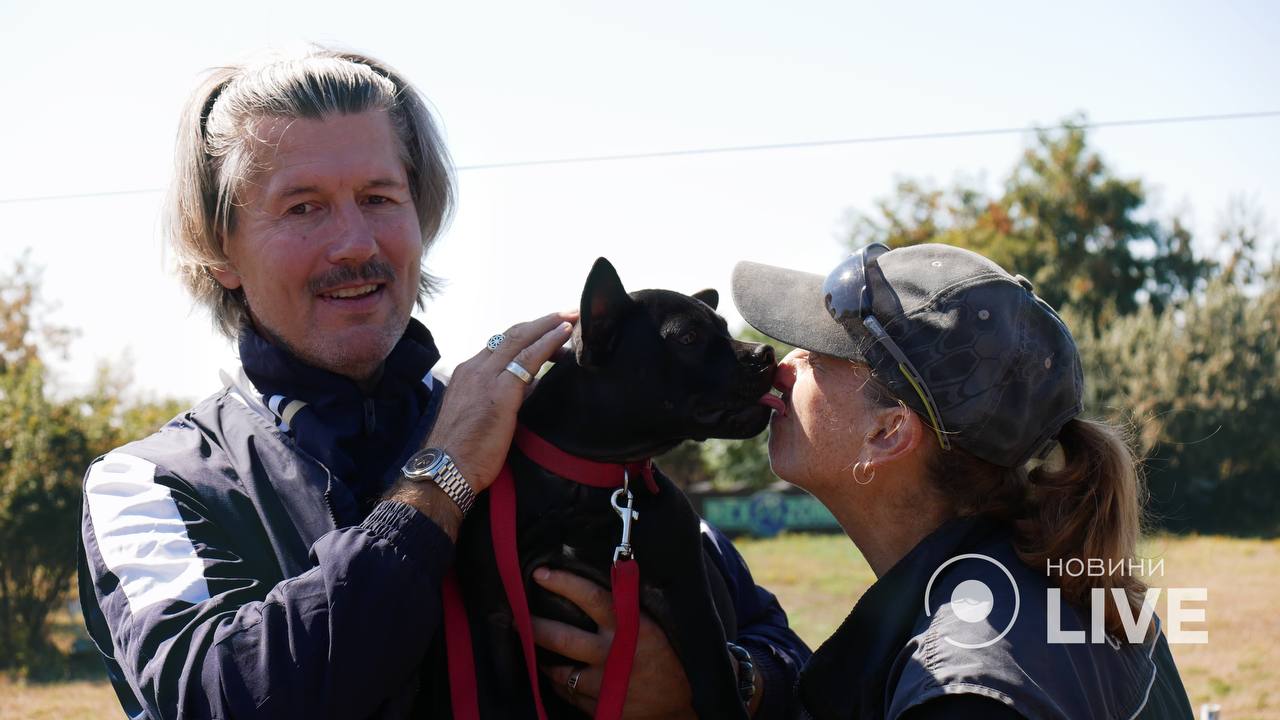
pixel 377 200
pixel 301 209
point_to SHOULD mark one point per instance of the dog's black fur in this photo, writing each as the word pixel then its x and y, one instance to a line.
pixel 653 368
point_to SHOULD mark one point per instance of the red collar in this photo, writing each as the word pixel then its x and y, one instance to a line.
pixel 580 470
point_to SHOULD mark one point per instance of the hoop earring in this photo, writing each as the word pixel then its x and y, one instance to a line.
pixel 868 469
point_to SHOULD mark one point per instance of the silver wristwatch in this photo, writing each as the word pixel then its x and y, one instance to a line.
pixel 435 465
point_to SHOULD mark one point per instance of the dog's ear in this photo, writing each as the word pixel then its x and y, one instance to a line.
pixel 708 296
pixel 604 301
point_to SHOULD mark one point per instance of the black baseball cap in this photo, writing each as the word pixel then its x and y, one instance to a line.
pixel 941 326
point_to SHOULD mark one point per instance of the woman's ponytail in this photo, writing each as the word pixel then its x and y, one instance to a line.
pixel 1079 513
pixel 1087 507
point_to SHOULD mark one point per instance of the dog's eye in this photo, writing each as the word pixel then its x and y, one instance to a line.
pixel 688 338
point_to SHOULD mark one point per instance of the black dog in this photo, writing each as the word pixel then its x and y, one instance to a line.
pixel 653 368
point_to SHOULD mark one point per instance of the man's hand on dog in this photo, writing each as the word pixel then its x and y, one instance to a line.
pixel 478 416
pixel 659 687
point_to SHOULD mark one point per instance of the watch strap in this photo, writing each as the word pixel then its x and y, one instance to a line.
pixel 746 672
pixel 435 465
pixel 450 479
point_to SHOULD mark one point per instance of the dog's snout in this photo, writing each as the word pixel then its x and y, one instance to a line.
pixel 764 355
pixel 756 361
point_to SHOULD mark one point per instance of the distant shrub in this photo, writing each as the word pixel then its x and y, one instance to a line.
pixel 45 446
pixel 1200 386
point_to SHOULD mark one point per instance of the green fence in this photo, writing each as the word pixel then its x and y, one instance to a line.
pixel 764 513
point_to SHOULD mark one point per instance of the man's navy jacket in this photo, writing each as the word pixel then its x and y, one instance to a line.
pixel 239 563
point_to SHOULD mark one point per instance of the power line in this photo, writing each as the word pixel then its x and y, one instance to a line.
pixel 868 140
pixel 877 139
pixel 76 196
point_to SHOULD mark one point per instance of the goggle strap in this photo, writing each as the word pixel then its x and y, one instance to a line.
pixel 913 377
pixel 933 419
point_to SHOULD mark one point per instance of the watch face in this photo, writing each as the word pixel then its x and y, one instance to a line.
pixel 423 462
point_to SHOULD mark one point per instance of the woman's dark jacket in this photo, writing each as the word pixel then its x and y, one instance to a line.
pixel 900 653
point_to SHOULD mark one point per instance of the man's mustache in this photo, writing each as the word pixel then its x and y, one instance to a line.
pixel 376 270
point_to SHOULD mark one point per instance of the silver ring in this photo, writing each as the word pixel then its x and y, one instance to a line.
pixel 573 680
pixel 495 341
pixel 514 368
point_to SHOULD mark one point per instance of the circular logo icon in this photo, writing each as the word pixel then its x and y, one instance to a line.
pixel 972 600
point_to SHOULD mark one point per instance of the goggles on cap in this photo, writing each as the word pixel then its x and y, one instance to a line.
pixel 847 296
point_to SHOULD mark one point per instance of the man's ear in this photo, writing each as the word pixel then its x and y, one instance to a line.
pixel 604 301
pixel 225 273
pixel 226 276
pixel 708 296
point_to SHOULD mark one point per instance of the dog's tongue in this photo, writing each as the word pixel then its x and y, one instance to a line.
pixel 774 402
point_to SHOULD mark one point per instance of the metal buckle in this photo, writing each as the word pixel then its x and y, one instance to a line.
pixel 624 549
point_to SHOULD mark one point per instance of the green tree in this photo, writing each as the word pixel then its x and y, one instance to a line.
pixel 1200 386
pixel 685 465
pixel 1184 351
pixel 45 446
pixel 1064 220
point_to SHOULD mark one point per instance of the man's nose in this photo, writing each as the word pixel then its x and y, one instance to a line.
pixel 353 239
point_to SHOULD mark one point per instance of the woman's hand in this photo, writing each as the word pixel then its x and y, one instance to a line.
pixel 478 417
pixel 658 688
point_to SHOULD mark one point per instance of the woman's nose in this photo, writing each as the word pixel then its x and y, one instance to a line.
pixel 791 357
pixel 785 376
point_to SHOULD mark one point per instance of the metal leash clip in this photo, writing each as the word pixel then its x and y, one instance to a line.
pixel 627 514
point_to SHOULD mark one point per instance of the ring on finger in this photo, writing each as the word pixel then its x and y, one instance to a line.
pixel 573 680
pixel 495 341
pixel 514 368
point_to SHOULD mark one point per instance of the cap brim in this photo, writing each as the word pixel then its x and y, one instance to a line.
pixel 787 305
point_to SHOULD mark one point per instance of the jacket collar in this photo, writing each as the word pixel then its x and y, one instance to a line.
pixel 359 436
pixel 274 370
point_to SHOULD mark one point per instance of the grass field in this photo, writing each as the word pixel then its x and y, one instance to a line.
pixel 818 578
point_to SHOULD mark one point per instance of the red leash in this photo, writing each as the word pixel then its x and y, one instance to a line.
pixel 457 645
pixel 624 575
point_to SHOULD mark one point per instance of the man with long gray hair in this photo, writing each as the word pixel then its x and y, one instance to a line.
pixel 264 554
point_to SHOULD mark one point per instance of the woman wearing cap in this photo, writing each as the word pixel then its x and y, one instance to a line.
pixel 934 407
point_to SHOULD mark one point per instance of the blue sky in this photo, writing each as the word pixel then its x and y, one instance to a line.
pixel 92 94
